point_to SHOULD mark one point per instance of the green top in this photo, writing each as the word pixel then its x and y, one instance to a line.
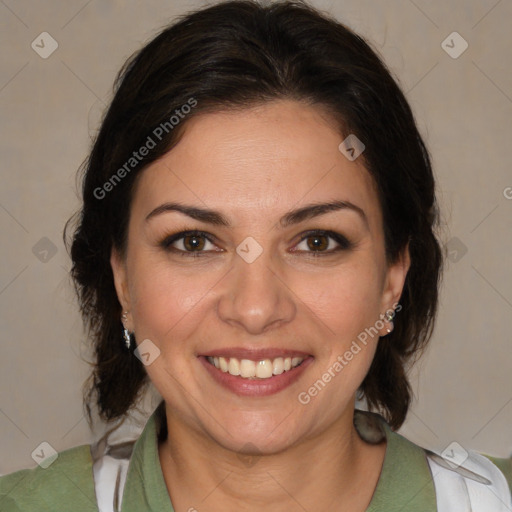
pixel 67 484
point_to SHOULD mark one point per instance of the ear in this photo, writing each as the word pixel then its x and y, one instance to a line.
pixel 120 279
pixel 394 283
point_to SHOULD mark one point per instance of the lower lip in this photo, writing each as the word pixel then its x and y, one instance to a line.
pixel 256 387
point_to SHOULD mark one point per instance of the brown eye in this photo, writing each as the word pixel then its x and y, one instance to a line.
pixel 189 243
pixel 317 242
pixel 320 242
pixel 193 242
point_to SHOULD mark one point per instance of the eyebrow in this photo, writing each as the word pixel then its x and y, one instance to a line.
pixel 292 217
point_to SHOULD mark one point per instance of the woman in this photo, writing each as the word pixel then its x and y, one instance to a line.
pixel 257 240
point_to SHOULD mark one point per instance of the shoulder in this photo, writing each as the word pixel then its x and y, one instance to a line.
pixel 504 465
pixel 484 482
pixel 67 479
pixel 469 479
pixel 414 477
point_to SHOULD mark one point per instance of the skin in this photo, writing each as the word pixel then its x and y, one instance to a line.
pixel 226 452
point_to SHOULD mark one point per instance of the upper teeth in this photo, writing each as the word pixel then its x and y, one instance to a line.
pixel 247 369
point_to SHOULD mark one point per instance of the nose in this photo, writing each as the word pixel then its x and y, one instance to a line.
pixel 254 297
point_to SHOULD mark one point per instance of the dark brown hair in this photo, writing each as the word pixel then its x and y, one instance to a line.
pixel 234 55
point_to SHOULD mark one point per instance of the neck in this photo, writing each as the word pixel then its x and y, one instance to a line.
pixel 319 473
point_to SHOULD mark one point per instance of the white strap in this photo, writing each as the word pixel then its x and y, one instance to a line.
pixel 475 486
pixel 110 467
pixel 109 480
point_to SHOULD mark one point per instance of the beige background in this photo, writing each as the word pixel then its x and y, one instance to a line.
pixel 51 107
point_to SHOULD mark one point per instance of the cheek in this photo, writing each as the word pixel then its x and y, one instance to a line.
pixel 347 305
pixel 167 303
pixel 167 310
pixel 347 300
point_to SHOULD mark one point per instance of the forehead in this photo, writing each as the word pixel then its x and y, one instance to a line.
pixel 267 159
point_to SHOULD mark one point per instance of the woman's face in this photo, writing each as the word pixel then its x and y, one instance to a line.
pixel 276 279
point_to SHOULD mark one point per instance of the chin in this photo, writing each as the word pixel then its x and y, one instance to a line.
pixel 254 433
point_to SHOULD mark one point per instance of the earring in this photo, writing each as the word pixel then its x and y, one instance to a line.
pixel 126 334
pixel 389 318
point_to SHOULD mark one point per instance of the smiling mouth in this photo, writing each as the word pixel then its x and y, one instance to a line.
pixel 248 369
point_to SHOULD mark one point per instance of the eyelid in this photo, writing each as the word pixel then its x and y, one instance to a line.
pixel 167 242
pixel 343 242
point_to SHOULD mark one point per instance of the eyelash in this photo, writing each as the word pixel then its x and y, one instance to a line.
pixel 343 243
